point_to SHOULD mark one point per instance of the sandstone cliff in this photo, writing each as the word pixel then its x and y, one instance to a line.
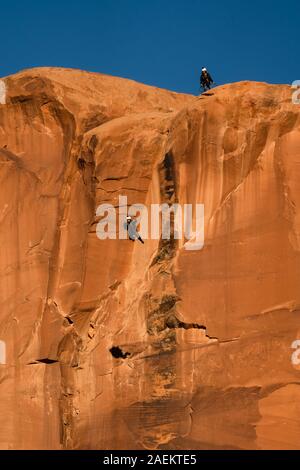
pixel 202 338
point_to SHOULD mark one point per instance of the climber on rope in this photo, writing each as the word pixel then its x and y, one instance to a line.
pixel 205 79
pixel 132 231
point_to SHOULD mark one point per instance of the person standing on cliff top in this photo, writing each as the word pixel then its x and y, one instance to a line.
pixel 205 79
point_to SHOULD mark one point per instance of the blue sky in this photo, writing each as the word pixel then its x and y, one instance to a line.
pixel 159 42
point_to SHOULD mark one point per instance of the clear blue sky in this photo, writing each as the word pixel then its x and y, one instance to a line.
pixel 159 42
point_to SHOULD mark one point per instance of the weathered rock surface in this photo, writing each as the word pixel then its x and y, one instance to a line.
pixel 208 333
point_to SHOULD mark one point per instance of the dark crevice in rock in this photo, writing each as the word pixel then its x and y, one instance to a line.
pixel 168 165
pixel 115 285
pixel 117 353
pixel 166 250
pixel 46 360
pixel 116 178
pixel 173 322
pixel 156 322
pixel 168 193
pixel 167 302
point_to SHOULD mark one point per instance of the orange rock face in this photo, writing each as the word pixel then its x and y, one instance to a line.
pixel 202 340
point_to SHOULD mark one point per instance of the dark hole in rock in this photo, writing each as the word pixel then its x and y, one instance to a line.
pixel 117 353
pixel 81 163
